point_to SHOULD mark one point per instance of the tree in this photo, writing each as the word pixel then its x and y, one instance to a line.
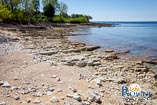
pixel 62 8
pixel 49 10
pixel 52 2
pixel 36 5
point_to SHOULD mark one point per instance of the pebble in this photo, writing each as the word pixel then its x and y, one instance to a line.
pixel 94 97
pixel 29 100
pixel 54 100
pixel 6 84
pixel 37 101
pixel 16 97
pixel 3 103
pixel 75 96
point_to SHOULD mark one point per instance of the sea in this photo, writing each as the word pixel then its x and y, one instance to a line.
pixel 140 38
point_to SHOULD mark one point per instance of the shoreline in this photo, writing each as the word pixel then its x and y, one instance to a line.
pixel 43 62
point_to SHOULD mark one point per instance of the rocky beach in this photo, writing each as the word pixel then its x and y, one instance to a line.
pixel 39 66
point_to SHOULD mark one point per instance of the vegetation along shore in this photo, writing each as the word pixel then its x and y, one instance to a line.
pixel 40 66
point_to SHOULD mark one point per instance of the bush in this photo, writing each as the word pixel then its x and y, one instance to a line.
pixel 79 20
pixel 5 14
pixel 49 10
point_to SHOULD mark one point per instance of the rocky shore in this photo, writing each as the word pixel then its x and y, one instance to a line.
pixel 38 65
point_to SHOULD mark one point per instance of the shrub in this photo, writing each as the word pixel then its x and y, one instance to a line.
pixel 5 14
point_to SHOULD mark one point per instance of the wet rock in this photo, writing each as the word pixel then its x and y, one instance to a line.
pixel 6 84
pixel 37 101
pixel 54 100
pixel 3 103
pixel 94 97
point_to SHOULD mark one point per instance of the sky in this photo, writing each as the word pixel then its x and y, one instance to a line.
pixel 115 10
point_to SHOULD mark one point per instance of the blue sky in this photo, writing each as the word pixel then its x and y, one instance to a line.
pixel 115 10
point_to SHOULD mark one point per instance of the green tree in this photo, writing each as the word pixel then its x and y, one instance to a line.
pixel 49 10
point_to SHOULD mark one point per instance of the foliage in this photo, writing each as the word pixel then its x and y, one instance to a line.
pixel 5 14
pixel 49 10
pixel 25 11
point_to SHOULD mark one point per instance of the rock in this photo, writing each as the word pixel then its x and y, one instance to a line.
pixel 14 88
pixel 153 61
pixel 54 76
pixel 6 84
pixel 50 89
pixel 3 103
pixel 49 93
pixel 54 100
pixel 1 83
pixel 110 57
pixel 75 96
pixel 109 51
pixel 85 103
pixel 16 97
pixel 81 64
pixel 48 52
pixel 39 94
pixel 94 97
pixel 98 82
pixel 93 62
pixel 37 101
pixel 86 48
pixel 29 100
pixel 90 48
pixel 58 79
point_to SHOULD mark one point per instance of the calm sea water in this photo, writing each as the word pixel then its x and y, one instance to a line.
pixel 138 37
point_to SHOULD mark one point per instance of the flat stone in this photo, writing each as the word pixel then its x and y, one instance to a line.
pixel 48 52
